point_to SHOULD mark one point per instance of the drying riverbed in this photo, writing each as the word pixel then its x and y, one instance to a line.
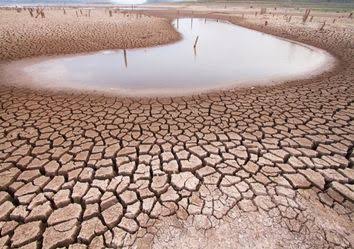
pixel 263 167
pixel 224 56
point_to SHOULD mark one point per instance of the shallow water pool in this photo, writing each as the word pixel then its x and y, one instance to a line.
pixel 225 56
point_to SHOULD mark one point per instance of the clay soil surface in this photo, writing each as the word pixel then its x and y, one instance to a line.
pixel 267 167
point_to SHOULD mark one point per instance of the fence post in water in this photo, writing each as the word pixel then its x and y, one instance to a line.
pixel 195 42
pixel 191 22
pixel 110 13
pixel 125 58
pixel 64 12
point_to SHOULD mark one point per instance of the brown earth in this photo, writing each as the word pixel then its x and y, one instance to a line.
pixel 269 167
pixel 57 33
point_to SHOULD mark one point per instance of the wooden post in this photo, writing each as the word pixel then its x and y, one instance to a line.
pixel 38 13
pixel 306 15
pixel 125 58
pixel 195 42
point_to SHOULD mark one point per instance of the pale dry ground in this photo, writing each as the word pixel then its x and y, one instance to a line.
pixel 270 167
pixel 59 33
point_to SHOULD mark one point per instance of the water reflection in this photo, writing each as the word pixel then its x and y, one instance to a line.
pixel 225 55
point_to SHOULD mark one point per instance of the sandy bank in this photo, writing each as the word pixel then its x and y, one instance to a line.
pixel 23 36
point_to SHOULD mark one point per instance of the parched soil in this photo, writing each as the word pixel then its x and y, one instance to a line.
pixel 78 31
pixel 269 167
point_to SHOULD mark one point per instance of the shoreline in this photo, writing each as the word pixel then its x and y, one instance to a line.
pixel 332 68
pixel 325 69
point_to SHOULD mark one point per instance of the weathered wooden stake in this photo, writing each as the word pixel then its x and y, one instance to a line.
pixel 125 58
pixel 306 15
pixel 195 42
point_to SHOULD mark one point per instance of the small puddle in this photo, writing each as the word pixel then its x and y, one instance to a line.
pixel 225 56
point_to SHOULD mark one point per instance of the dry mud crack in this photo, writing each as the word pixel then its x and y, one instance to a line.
pixel 269 167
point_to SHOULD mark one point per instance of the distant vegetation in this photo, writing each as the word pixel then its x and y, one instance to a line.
pixel 323 5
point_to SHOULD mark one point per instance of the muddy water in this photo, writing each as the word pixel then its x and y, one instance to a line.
pixel 225 56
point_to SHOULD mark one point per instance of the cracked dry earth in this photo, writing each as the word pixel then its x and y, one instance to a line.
pixel 269 167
